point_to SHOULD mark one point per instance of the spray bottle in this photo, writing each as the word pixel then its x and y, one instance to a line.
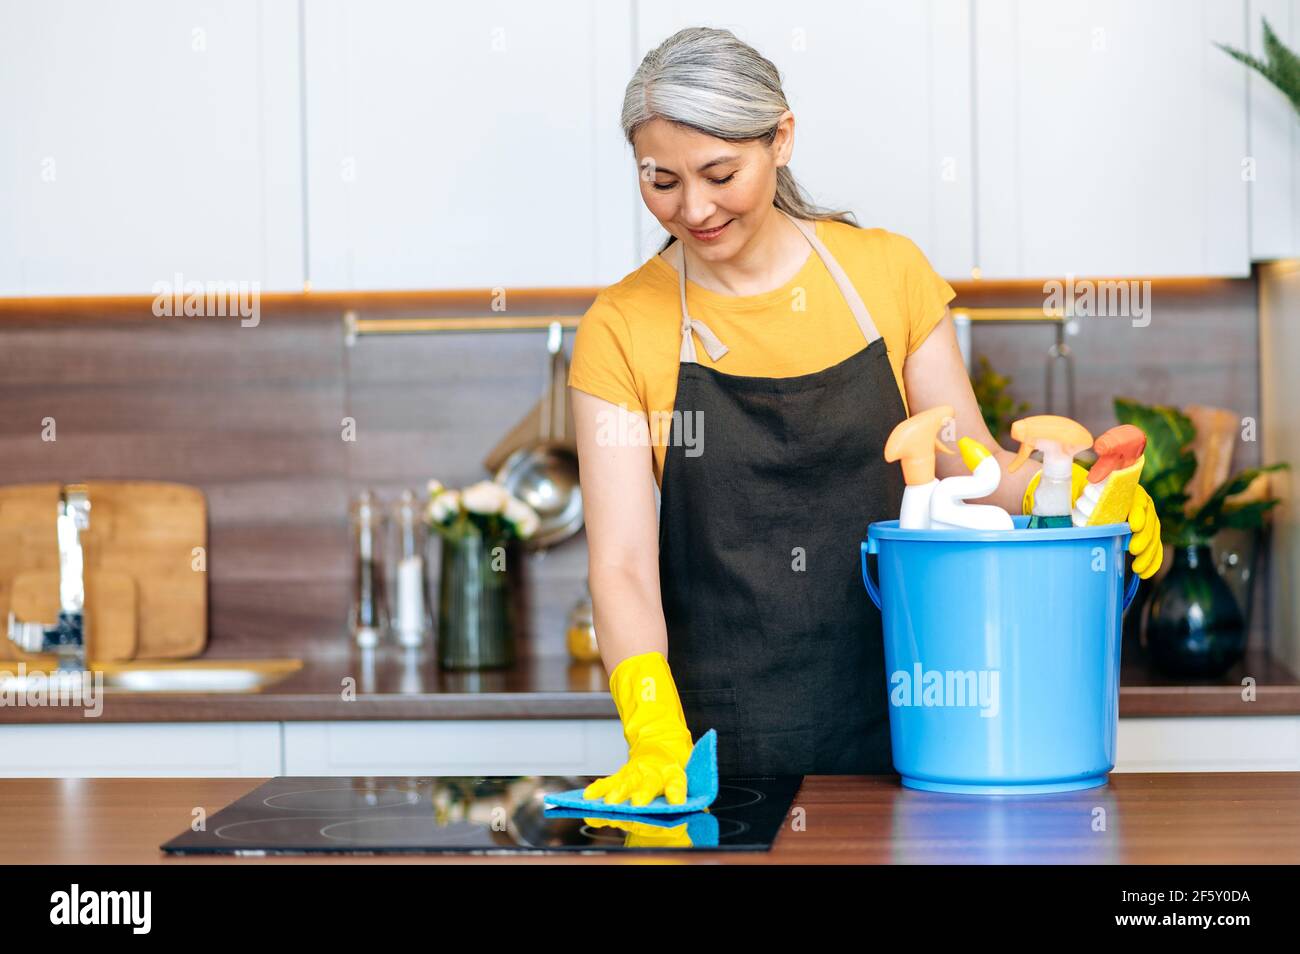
pixel 914 442
pixel 1107 497
pixel 1059 438
pixel 948 507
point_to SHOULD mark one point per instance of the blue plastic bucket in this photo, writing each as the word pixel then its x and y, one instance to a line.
pixel 1002 651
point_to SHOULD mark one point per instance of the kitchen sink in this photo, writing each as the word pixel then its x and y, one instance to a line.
pixel 214 675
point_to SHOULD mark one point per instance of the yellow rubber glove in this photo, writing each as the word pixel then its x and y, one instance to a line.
pixel 658 741
pixel 1148 552
pixel 641 835
pixel 1144 544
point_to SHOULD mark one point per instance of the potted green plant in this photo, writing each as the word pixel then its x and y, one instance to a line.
pixel 1194 626
pixel 1280 66
pixel 997 407
pixel 476 527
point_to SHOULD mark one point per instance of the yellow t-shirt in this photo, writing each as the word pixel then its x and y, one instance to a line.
pixel 628 344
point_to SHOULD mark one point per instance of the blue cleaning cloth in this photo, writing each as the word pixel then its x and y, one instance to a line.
pixel 701 827
pixel 701 788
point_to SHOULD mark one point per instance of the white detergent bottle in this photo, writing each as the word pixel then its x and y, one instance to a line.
pixel 914 442
pixel 948 507
pixel 1059 439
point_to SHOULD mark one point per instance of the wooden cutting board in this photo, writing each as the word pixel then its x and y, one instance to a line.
pixel 154 534
pixel 110 608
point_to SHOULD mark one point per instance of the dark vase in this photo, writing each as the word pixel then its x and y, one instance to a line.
pixel 1194 626
pixel 475 613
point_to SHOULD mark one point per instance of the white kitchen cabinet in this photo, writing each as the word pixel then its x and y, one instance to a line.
pixel 1111 138
pixel 469 747
pixel 517 746
pixel 1209 744
pixel 1274 142
pixel 148 140
pixel 467 145
pixel 880 91
pixel 140 750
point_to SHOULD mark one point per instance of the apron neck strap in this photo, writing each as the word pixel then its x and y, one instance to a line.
pixel 712 344
pixel 717 349
pixel 850 293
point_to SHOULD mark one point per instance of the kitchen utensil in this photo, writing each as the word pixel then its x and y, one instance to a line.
pixel 1216 437
pixel 525 430
pixel 545 474
pixel 153 532
pixel 1060 355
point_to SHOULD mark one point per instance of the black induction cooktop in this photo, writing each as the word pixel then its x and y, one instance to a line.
pixel 298 815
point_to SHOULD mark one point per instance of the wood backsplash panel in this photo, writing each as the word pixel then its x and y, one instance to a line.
pixel 1200 347
pixel 252 416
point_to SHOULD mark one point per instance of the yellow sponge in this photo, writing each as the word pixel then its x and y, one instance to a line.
pixel 1116 497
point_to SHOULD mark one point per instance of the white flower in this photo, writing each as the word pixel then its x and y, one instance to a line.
pixel 435 487
pixel 444 506
pixel 485 497
pixel 528 525
pixel 522 517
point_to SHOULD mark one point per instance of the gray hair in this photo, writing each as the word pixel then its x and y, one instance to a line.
pixel 710 81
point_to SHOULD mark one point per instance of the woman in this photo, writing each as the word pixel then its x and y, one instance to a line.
pixel 758 393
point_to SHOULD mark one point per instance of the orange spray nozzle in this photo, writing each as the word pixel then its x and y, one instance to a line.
pixel 1069 435
pixel 915 440
pixel 1116 449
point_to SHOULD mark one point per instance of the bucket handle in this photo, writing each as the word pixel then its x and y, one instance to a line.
pixel 1130 591
pixel 873 588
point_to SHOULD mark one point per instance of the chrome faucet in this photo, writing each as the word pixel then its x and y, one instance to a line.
pixel 66 637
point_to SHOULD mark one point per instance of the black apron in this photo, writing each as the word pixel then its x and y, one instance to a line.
pixel 772 638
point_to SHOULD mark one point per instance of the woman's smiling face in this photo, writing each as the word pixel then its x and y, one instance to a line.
pixel 710 193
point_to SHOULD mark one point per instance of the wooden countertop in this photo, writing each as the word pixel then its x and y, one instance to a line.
pixel 393 685
pixel 383 685
pixel 1210 818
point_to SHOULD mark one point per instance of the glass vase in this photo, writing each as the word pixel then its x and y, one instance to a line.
pixel 475 616
pixel 1194 626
